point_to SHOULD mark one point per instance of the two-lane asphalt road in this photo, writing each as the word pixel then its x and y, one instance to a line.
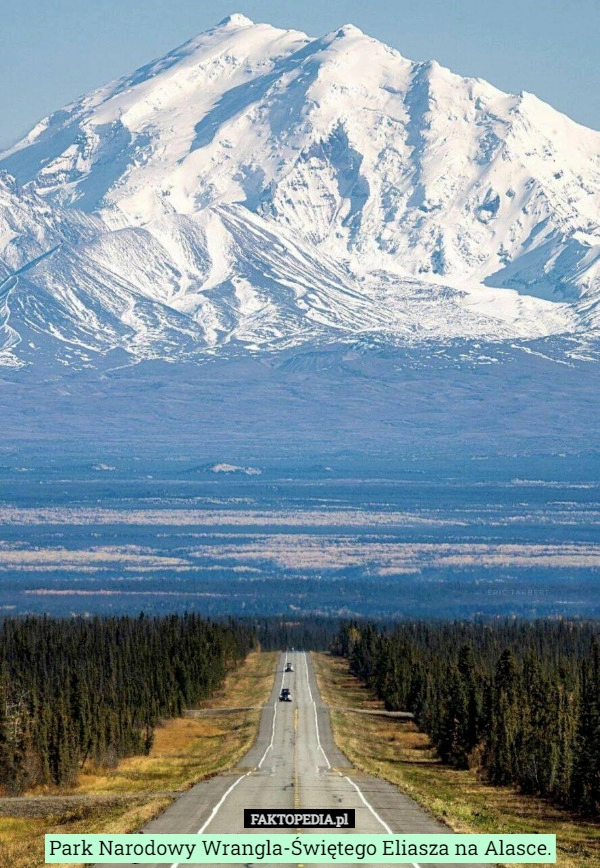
pixel 294 763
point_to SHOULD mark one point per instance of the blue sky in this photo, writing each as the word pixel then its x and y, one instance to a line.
pixel 51 52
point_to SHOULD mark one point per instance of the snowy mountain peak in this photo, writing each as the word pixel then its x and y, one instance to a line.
pixel 256 187
pixel 348 30
pixel 235 20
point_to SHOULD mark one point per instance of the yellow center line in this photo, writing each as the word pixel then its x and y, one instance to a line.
pixel 296 776
pixel 296 787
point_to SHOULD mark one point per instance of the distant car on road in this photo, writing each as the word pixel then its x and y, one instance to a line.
pixel 285 695
pixel 289 668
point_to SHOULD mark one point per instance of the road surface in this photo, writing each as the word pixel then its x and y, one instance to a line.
pixel 294 763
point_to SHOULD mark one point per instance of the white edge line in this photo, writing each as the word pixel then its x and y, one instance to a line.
pixel 345 777
pixel 274 716
pixel 320 746
pixel 220 802
pixel 241 778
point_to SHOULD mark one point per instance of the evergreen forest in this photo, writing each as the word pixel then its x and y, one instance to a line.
pixel 79 689
pixel 518 701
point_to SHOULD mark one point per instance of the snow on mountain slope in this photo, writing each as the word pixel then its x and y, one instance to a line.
pixel 228 278
pixel 258 188
pixel 31 231
pixel 147 121
pixel 30 226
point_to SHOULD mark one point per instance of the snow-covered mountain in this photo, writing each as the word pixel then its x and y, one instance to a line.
pixel 258 189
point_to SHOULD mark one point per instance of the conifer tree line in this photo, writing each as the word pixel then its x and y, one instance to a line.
pixel 518 701
pixel 277 633
pixel 79 689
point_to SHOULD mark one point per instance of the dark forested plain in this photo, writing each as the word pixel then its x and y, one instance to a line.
pixel 518 701
pixel 222 533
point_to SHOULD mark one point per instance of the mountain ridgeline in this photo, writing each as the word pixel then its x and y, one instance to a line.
pixel 257 189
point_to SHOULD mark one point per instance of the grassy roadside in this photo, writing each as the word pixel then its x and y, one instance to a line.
pixel 185 751
pixel 397 751
pixel 22 839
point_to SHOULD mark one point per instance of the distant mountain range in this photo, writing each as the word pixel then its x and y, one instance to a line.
pixel 257 189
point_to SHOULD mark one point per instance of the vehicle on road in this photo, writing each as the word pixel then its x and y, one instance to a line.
pixel 285 695
pixel 289 668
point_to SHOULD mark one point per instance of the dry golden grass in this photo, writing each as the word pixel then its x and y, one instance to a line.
pixel 397 751
pixel 22 841
pixel 185 751
pixel 251 684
